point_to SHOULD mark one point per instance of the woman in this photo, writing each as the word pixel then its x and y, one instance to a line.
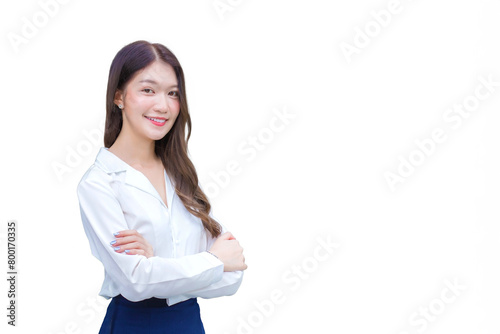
pixel 145 216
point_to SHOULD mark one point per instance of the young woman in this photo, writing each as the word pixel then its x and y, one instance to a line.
pixel 145 216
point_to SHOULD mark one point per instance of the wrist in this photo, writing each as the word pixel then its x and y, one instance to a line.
pixel 209 252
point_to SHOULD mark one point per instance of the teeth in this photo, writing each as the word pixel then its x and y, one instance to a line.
pixel 156 119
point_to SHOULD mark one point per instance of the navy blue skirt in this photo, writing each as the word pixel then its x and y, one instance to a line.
pixel 152 316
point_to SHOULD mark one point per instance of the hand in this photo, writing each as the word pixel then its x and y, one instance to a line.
pixel 229 251
pixel 132 242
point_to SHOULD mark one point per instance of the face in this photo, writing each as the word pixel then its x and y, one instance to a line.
pixel 150 102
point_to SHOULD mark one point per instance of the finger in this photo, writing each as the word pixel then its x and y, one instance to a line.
pixel 227 236
pixel 128 246
pixel 131 239
pixel 126 240
pixel 235 243
pixel 118 249
pixel 125 233
pixel 231 236
pixel 133 251
pixel 138 252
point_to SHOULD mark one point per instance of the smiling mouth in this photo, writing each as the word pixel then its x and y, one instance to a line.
pixel 157 120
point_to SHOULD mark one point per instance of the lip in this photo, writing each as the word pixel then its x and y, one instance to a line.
pixel 157 123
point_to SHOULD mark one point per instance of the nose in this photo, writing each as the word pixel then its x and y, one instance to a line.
pixel 162 104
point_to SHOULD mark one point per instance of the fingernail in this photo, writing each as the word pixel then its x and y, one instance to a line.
pixel 117 248
pixel 116 233
pixel 113 242
pixel 127 251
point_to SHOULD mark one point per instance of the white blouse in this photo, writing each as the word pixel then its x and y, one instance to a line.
pixel 114 196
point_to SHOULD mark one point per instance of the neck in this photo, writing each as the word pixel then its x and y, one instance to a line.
pixel 137 152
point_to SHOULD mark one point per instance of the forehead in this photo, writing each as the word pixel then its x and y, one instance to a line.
pixel 156 72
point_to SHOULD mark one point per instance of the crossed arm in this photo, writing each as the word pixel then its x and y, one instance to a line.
pixel 225 247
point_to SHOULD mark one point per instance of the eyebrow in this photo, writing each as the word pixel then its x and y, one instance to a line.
pixel 153 82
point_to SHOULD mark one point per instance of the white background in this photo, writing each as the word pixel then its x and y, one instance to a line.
pixel 321 176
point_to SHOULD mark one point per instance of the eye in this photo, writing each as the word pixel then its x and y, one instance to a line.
pixel 148 90
pixel 174 93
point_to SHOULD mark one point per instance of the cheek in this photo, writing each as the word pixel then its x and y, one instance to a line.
pixel 131 100
pixel 176 108
pixel 136 100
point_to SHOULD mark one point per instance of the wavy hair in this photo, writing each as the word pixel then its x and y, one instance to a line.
pixel 172 149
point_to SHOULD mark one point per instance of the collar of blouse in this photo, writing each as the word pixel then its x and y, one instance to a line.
pixel 115 167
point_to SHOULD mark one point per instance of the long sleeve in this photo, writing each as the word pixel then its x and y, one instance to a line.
pixel 227 286
pixel 136 276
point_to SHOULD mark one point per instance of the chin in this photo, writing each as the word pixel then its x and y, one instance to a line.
pixel 157 137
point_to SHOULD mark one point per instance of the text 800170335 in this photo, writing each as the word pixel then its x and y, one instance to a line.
pixel 11 271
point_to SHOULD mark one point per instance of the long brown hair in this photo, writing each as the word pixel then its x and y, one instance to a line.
pixel 172 149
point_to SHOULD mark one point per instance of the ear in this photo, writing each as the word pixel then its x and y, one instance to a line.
pixel 119 98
